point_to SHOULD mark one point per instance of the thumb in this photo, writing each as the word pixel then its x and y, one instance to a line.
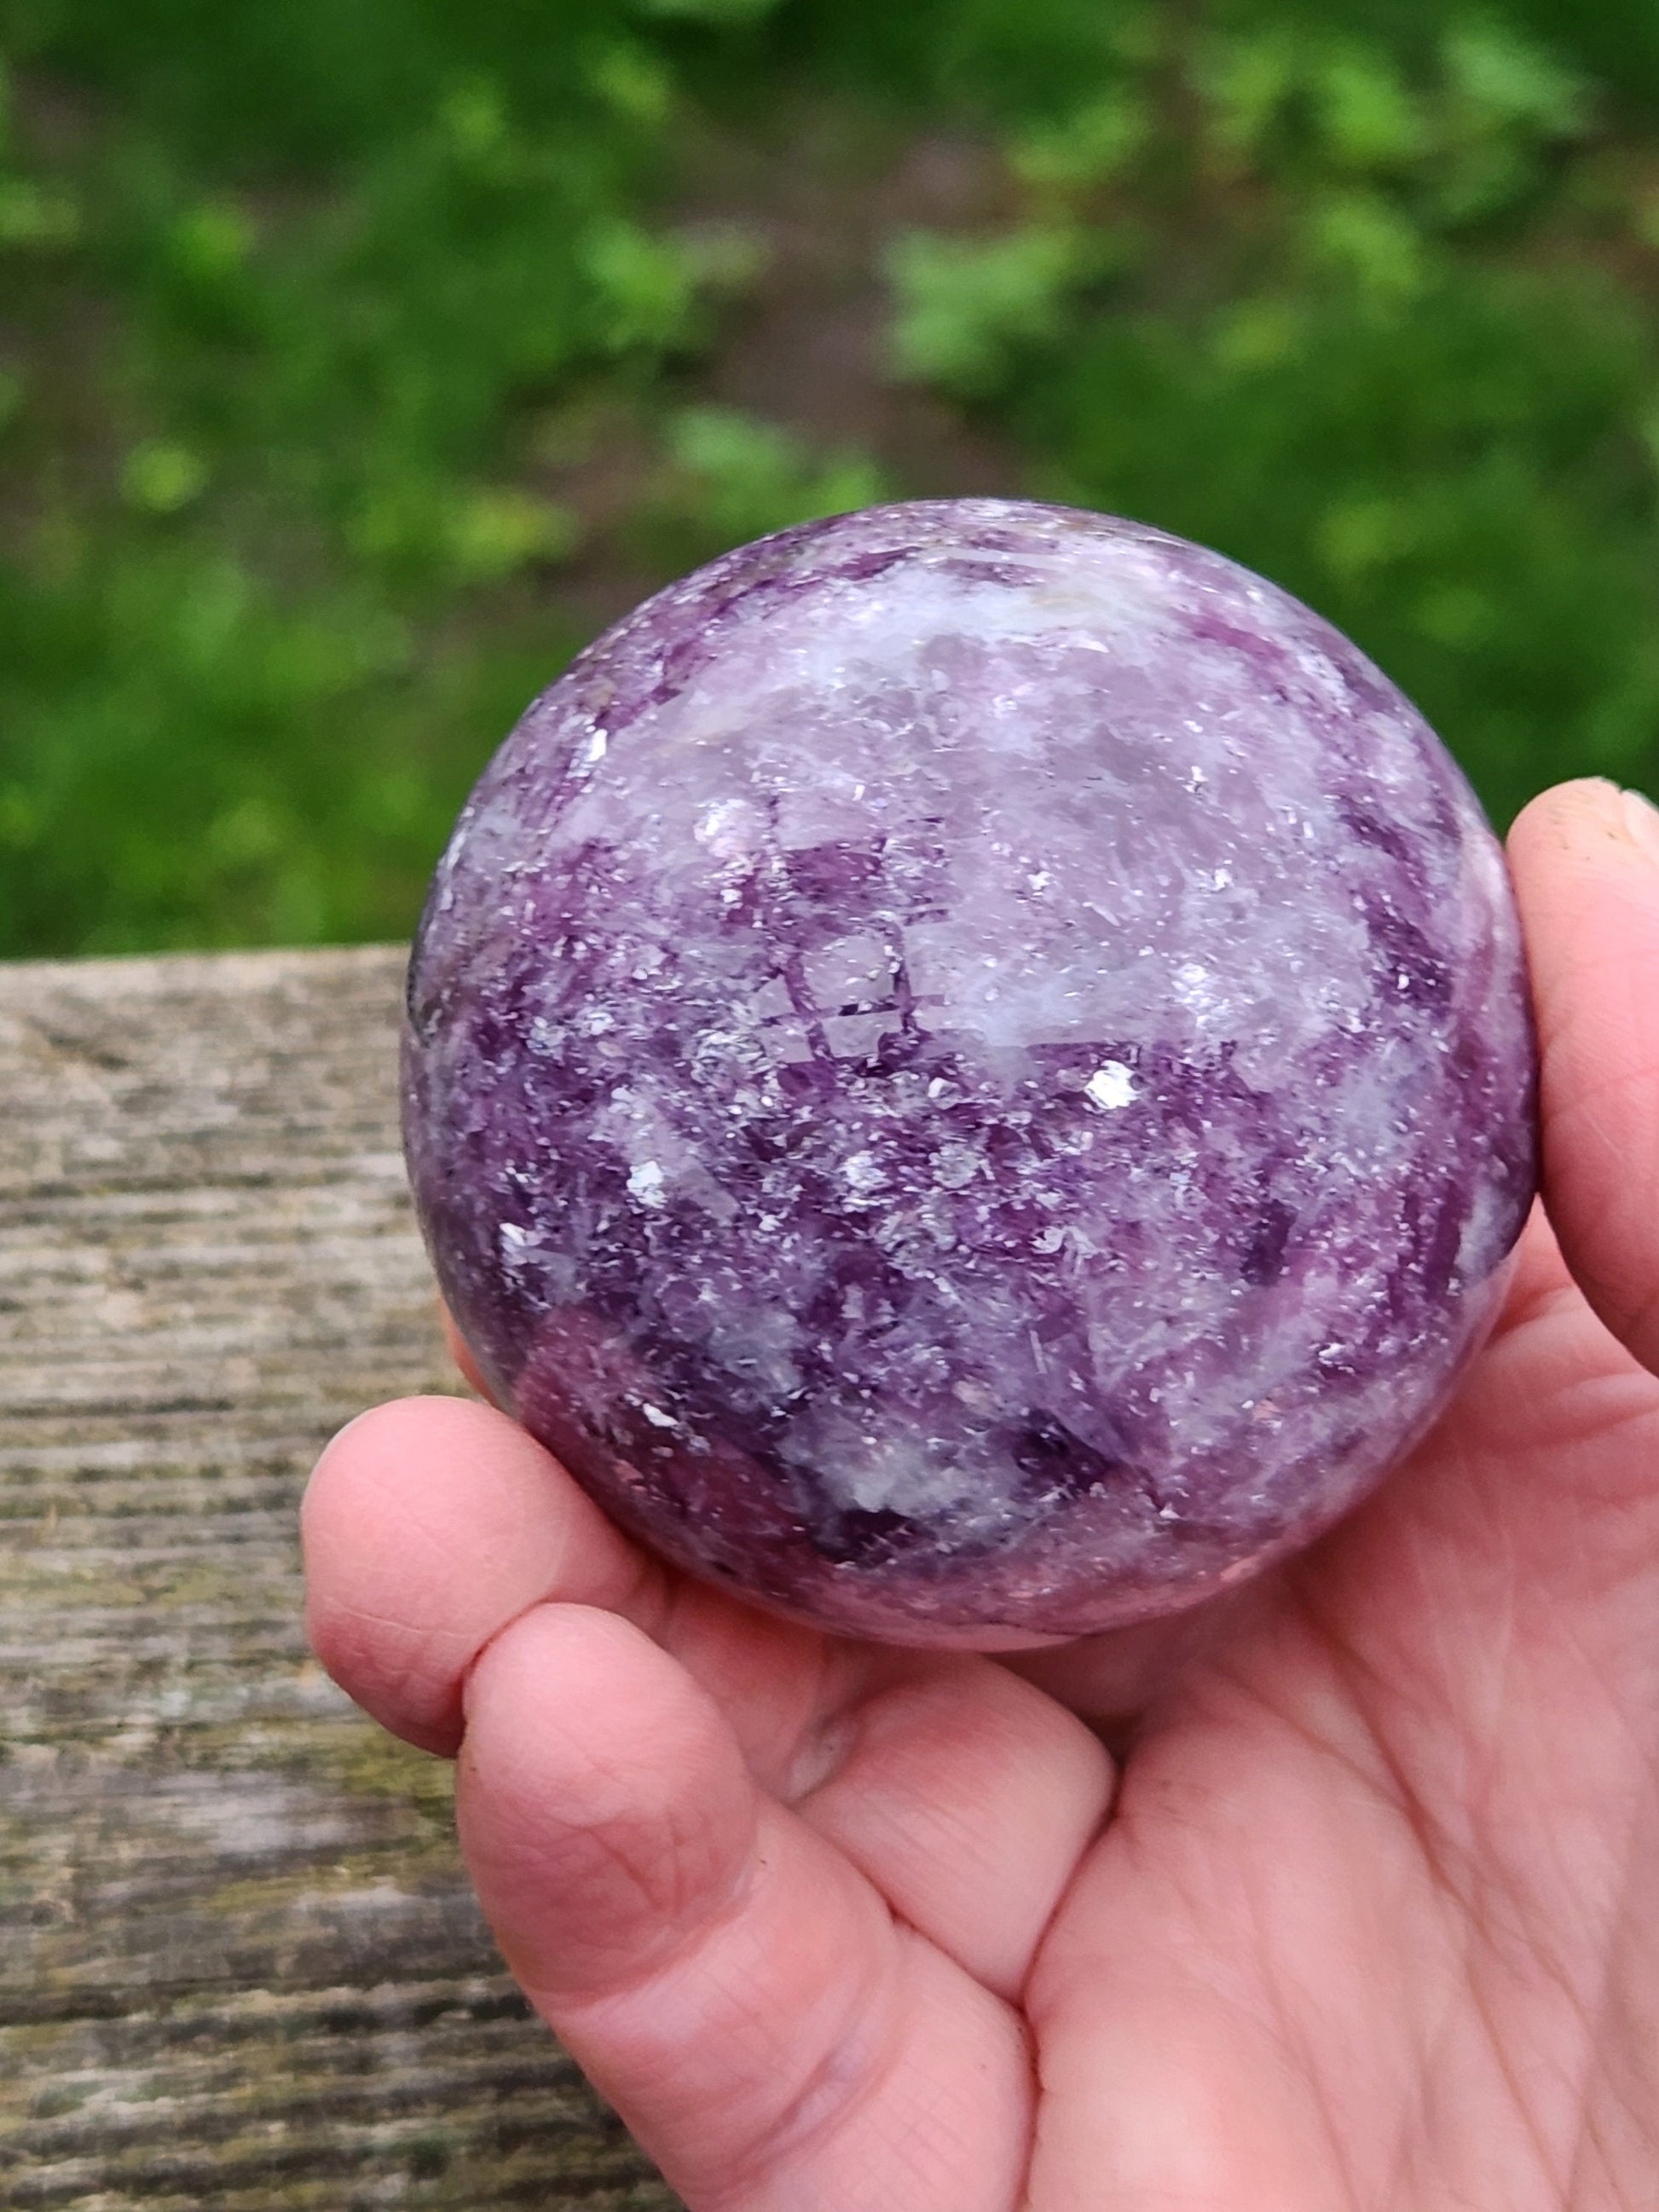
pixel 775 2037
pixel 1585 858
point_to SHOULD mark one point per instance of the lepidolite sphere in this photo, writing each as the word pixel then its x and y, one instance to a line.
pixel 969 1070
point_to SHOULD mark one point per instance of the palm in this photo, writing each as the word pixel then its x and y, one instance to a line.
pixel 1365 1918
pixel 1379 1858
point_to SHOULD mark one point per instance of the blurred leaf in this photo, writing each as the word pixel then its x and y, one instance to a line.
pixel 724 257
pixel 212 242
pixel 718 12
pixel 163 479
pixel 737 478
pixel 1503 82
pixel 1458 616
pixel 1364 238
pixel 646 287
pixel 1087 147
pixel 633 81
pixel 1247 81
pixel 252 830
pixel 415 527
pixel 1507 102
pixel 473 120
pixel 20 821
pixel 1358 537
pixel 36 218
pixel 966 306
pixel 1369 118
pixel 1026 59
pixel 496 533
pixel 1257 335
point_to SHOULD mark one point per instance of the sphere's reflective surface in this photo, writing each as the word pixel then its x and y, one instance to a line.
pixel 969 1070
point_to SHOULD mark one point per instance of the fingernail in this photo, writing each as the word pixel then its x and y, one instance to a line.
pixel 1641 823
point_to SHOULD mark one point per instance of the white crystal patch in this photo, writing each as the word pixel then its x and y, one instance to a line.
pixel 1111 1086
pixel 645 1184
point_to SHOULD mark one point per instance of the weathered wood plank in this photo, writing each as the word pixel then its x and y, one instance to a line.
pixel 239 1964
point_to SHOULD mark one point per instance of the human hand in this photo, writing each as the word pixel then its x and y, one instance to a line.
pixel 1367 1917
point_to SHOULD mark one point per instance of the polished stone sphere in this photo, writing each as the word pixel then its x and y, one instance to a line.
pixel 968 1071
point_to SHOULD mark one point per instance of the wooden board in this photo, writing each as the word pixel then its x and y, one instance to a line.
pixel 239 1964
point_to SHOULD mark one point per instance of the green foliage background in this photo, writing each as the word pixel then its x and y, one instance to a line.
pixel 353 352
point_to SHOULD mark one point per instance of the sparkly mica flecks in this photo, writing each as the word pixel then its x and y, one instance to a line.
pixel 968 1071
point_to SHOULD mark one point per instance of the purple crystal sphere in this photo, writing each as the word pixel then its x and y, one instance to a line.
pixel 969 1070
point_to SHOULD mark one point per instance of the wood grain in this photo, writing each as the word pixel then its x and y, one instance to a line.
pixel 239 1964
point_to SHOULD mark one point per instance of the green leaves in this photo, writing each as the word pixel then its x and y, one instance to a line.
pixel 1367 241
pixel 160 478
pixel 1498 81
pixel 354 359
pixel 1463 134
pixel 733 477
pixel 722 14
pixel 967 308
pixel 1367 118
pixel 267 441
pixel 1088 145
pixel 644 288
pixel 421 531
pixel 36 218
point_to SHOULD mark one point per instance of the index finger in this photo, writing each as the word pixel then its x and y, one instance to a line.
pixel 1586 865
pixel 388 1616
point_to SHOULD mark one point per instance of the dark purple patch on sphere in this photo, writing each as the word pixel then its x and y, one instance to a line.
pixel 969 1069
